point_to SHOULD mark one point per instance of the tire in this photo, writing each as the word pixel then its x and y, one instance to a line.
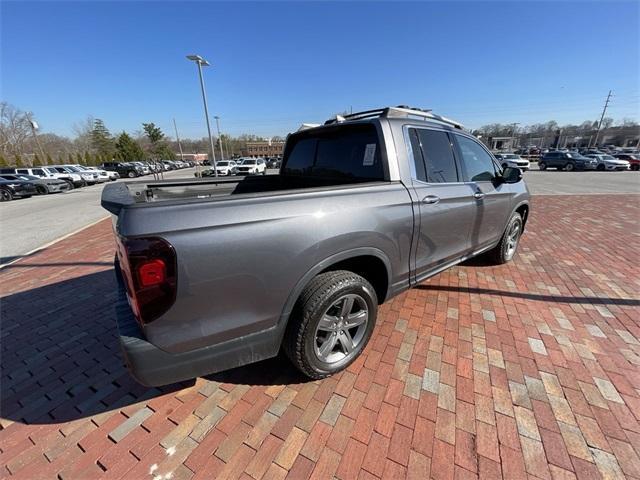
pixel 324 294
pixel 506 249
pixel 264 172
pixel 5 195
pixel 635 167
pixel 570 167
pixel 542 165
pixel 504 165
pixel 131 174
pixel 42 190
pixel 71 185
pixel 600 167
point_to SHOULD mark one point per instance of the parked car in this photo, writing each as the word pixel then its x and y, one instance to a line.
pixel 46 173
pixel 223 273
pixel 124 169
pixel 112 176
pixel 512 160
pixel 273 163
pixel 252 166
pixel 634 160
pixel 43 185
pixel 226 167
pixel 142 167
pixel 566 161
pixel 11 189
pixel 102 175
pixel 608 162
pixel 87 178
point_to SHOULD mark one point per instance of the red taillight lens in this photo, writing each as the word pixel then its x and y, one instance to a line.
pixel 152 273
pixel 149 269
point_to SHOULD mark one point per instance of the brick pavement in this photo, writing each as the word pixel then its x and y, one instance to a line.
pixel 529 370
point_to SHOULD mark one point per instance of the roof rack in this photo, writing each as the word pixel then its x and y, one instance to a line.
pixel 399 111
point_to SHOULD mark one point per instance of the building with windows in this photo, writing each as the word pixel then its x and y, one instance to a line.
pixel 263 149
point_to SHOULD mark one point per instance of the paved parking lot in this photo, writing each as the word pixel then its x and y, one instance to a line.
pixel 528 370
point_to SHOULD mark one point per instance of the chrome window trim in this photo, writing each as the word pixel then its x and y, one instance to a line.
pixel 412 164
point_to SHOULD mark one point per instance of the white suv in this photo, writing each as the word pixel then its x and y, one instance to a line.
pixel 103 175
pixel 252 166
pixel 73 179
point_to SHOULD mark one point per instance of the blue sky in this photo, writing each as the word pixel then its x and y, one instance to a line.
pixel 276 65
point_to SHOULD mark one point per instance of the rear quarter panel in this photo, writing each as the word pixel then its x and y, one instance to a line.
pixel 240 259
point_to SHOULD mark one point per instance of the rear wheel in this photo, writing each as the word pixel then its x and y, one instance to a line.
pixel 70 183
pixel 42 190
pixel 506 249
pixel 635 167
pixel 542 165
pixel 131 174
pixel 331 323
pixel 600 167
pixel 570 167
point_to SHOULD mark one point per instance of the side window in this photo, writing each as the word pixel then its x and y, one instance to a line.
pixel 421 173
pixel 301 157
pixel 440 165
pixel 22 170
pixel 38 171
pixel 477 162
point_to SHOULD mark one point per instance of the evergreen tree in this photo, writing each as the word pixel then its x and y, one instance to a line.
pixel 36 160
pixel 87 158
pixel 49 160
pixel 79 159
pixel 159 149
pixel 3 161
pixel 18 160
pixel 101 139
pixel 128 149
pixel 70 158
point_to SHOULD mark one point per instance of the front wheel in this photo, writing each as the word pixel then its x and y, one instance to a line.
pixel 635 167
pixel 131 174
pixel 331 323
pixel 5 195
pixel 506 249
pixel 600 167
pixel 570 167
pixel 42 190
pixel 542 166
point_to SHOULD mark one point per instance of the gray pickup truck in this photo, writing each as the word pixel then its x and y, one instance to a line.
pixel 220 273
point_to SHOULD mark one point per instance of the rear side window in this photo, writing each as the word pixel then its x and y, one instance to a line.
pixel 38 171
pixel 437 155
pixel 22 170
pixel 345 152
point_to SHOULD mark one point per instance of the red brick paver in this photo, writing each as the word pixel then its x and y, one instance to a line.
pixel 528 370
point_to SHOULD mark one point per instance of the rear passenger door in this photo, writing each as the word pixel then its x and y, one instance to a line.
pixel 443 203
pixel 492 198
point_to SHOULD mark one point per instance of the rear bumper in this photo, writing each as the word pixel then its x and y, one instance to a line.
pixel 151 366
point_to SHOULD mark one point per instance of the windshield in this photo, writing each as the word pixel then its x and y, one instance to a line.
pixel 223 164
pixel 27 177
pixel 249 162
pixel 511 156
pixel 51 170
pixel 608 157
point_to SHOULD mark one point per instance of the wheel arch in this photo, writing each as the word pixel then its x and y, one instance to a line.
pixel 371 263
pixel 523 210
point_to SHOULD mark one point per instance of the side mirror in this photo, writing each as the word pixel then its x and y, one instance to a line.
pixel 511 175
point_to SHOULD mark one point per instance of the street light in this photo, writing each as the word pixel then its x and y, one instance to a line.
pixel 202 62
pixel 219 136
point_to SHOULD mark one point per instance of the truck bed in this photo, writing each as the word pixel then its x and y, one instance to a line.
pixel 119 195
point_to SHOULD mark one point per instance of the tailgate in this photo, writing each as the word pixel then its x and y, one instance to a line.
pixel 115 197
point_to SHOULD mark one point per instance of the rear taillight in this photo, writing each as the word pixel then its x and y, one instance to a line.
pixel 149 269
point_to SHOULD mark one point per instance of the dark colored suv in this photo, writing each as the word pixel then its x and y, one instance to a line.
pixel 568 161
pixel 123 169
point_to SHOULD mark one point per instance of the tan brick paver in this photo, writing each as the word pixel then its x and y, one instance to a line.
pixel 527 369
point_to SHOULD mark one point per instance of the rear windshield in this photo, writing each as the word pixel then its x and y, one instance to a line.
pixel 348 151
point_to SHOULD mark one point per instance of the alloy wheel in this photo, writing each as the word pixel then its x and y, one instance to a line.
pixel 341 329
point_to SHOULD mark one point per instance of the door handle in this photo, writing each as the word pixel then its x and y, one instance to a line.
pixel 478 195
pixel 431 199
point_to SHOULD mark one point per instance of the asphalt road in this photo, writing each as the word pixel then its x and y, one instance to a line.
pixel 29 224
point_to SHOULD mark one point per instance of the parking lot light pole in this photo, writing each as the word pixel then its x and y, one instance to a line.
pixel 202 62
pixel 219 136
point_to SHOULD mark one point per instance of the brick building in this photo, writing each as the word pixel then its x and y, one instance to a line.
pixel 263 149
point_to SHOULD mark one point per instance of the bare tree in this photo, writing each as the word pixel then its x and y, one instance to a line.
pixel 15 129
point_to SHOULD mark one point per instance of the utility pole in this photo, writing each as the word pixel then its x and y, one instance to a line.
pixel 604 110
pixel 178 139
pixel 219 136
